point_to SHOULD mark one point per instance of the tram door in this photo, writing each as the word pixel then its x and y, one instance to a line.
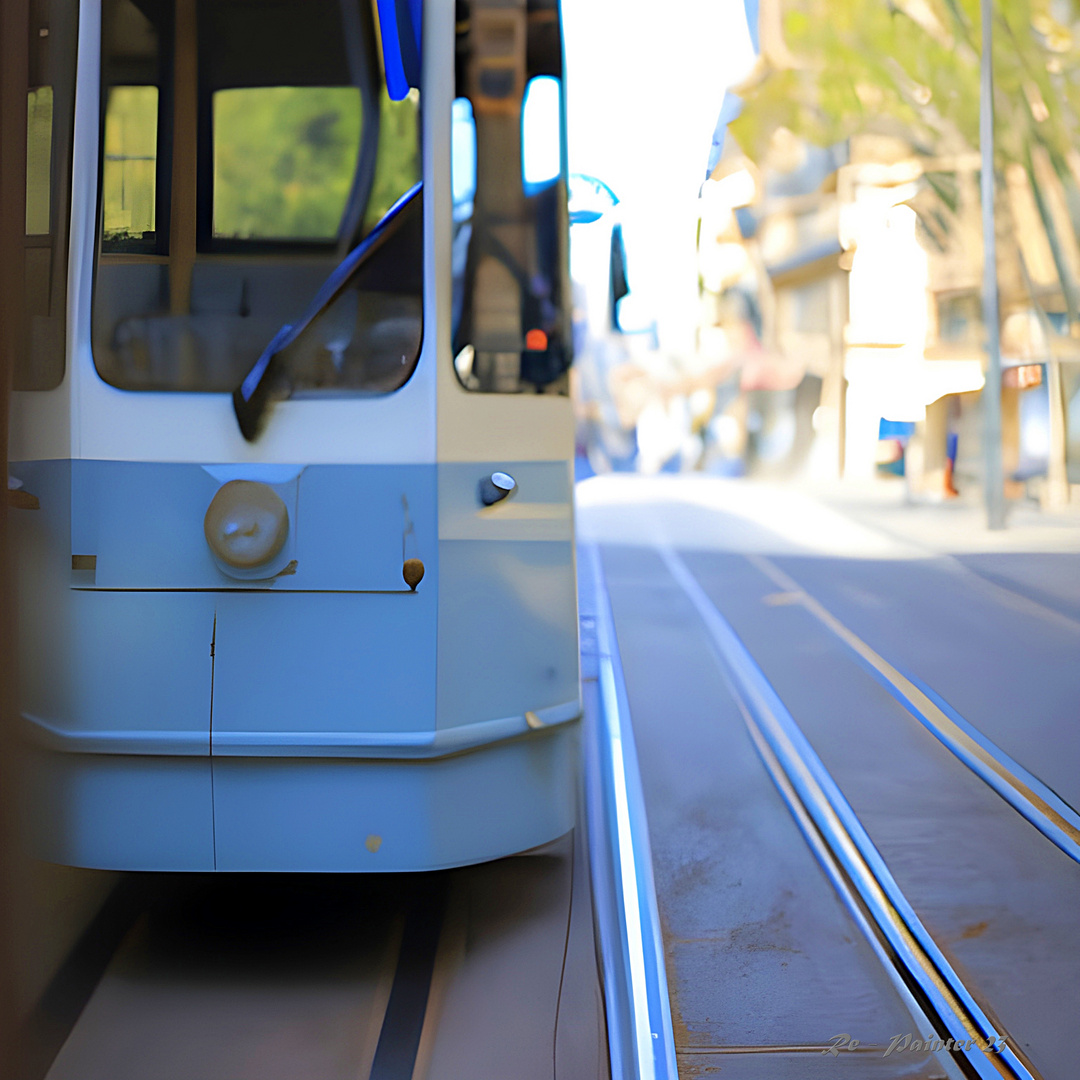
pixel 508 596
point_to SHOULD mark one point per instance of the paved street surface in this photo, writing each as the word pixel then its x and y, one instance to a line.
pixel 766 964
pixel 486 972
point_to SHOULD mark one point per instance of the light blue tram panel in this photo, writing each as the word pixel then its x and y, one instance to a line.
pixel 291 442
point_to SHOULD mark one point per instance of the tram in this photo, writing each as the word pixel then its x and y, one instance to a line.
pixel 291 449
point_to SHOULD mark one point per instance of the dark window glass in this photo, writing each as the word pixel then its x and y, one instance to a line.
pixel 50 107
pixel 248 146
pixel 511 294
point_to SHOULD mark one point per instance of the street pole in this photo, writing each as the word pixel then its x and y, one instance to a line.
pixel 994 480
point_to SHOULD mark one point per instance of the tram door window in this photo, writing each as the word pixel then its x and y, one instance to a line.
pixel 50 106
pixel 247 147
pixel 511 309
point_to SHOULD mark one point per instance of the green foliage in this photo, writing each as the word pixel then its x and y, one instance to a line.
pixel 39 123
pixel 285 157
pixel 398 166
pixel 284 160
pixel 911 68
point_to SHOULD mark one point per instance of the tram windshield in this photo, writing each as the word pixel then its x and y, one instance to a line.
pixel 247 147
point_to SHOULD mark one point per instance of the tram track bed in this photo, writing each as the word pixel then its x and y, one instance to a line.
pixel 486 971
pixel 765 965
pixel 1003 661
pixel 219 976
pixel 997 899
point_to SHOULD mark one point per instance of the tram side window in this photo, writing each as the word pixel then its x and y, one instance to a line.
pixel 248 147
pixel 129 171
pixel 511 292
pixel 39 128
pixel 50 104
pixel 134 203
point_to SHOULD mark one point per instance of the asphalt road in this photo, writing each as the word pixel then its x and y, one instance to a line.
pixel 765 963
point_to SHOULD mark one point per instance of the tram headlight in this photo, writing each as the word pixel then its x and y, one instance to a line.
pixel 246 524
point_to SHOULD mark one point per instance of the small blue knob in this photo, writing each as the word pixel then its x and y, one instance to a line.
pixel 496 487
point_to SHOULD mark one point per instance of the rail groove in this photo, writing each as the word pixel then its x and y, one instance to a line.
pixel 1022 790
pixel 641 1037
pixel 853 863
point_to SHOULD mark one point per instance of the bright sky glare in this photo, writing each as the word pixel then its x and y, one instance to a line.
pixel 645 82
pixel 540 148
pixel 644 86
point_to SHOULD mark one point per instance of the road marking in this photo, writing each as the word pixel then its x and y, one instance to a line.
pixel 1025 792
pixel 781 599
pixel 814 796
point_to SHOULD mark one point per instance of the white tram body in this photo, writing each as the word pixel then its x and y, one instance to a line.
pixel 311 712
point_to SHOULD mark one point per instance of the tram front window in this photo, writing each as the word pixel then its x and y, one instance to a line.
pixel 247 147
pixel 284 159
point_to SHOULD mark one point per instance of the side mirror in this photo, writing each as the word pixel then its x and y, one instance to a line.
pixel 590 199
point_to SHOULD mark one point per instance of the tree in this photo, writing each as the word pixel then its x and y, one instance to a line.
pixel 910 68
pixel 832 69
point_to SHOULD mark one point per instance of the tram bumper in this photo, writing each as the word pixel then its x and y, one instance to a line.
pixel 316 722
pixel 288 814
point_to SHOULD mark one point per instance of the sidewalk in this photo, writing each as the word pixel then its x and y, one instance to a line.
pixel 869 519
pixel 955 527
pixel 1037 556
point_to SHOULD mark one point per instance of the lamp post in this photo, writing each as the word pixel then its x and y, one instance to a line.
pixel 993 479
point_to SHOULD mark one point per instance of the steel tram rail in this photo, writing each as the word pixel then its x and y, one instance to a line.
pixel 1024 791
pixel 851 859
pixel 640 1033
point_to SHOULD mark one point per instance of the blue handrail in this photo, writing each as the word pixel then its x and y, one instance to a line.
pixel 399 29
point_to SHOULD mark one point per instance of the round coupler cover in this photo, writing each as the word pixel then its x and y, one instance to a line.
pixel 246 524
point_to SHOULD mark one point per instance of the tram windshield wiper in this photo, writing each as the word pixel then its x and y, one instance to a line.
pixel 260 386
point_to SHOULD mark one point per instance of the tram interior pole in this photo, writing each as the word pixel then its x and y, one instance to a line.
pixel 994 487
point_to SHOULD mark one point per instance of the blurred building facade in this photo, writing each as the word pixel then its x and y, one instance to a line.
pixel 865 261
pixel 869 254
